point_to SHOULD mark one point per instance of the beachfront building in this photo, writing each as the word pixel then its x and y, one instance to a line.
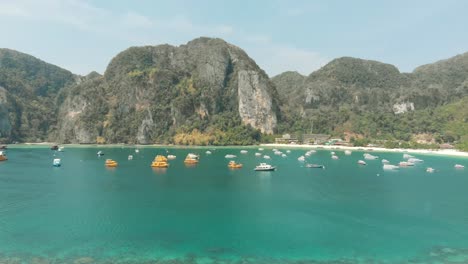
pixel 317 139
pixel 287 139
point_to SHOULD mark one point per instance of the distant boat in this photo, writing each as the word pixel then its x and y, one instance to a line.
pixel 368 156
pixel 233 165
pixel 56 163
pixel 347 152
pixel 258 154
pixel 266 157
pixel 315 166
pixel 414 160
pixel 260 149
pixel 406 164
pixel 208 152
pixel 54 147
pixel 301 158
pixel 385 161
pixel 288 151
pixel 390 167
pixel 361 162
pixel 3 156
pixel 333 153
pixel 111 163
pixel 159 161
pixel 278 152
pixel 100 153
pixel 171 157
pixel 430 170
pixel 335 157
pixel 459 166
pixel 407 156
pixel 283 155
pixel 61 149
pixel 264 167
pixel 137 150
pixel 243 151
pixel 130 157
pixel 230 156
pixel 191 159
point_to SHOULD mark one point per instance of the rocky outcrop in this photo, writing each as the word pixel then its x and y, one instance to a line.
pixel 151 92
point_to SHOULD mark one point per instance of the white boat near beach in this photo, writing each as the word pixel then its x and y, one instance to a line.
pixel 230 156
pixel 390 167
pixel 266 157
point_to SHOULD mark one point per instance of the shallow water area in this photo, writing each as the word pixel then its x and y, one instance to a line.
pixel 84 212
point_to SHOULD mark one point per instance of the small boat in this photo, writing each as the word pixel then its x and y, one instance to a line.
pixel 274 150
pixel 301 158
pixel 390 167
pixel 258 154
pixel 459 166
pixel 406 164
pixel 288 151
pixel 283 155
pixel 266 157
pixel 407 156
pixel 385 161
pixel 368 156
pixel 171 157
pixel 56 163
pixel 208 152
pixel 54 147
pixel 361 162
pixel 100 153
pixel 264 167
pixel 111 163
pixel 414 160
pixel 233 165
pixel 278 152
pixel 130 157
pixel 61 149
pixel 333 153
pixel 315 166
pixel 191 159
pixel 260 149
pixel 243 151
pixel 3 156
pixel 335 157
pixel 230 156
pixel 347 152
pixel 160 161
pixel 430 170
pixel 137 151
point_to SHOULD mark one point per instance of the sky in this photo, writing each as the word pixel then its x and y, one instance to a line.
pixel 293 35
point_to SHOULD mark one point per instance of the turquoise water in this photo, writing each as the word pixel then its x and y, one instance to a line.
pixel 84 212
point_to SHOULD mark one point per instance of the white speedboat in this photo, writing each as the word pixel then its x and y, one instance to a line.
pixel 430 170
pixel 384 161
pixel 171 157
pixel 301 158
pixel 264 167
pixel 208 152
pixel 243 151
pixel 230 156
pixel 260 149
pixel 361 162
pixel 459 166
pixel 390 167
pixel 283 155
pixel 335 157
pixel 414 160
pixel 130 157
pixel 57 163
pixel 406 164
pixel 266 157
pixel 347 152
pixel 61 149
pixel 100 153
pixel 258 154
pixel 368 156
pixel 407 156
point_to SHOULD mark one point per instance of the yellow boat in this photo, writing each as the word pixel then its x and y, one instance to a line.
pixel 3 156
pixel 233 165
pixel 160 162
pixel 111 163
pixel 191 159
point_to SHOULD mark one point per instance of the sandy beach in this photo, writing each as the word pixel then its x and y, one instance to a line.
pixel 445 152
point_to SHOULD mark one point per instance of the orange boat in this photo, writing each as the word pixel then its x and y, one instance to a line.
pixel 191 159
pixel 111 163
pixel 160 162
pixel 233 165
pixel 3 156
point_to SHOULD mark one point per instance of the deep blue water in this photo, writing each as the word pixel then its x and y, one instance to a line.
pixel 210 214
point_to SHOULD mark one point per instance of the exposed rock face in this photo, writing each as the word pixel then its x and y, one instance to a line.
pixel 147 93
pixel 403 107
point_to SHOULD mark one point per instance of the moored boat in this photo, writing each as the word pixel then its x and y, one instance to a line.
pixel 171 157
pixel 368 156
pixel 160 161
pixel 208 152
pixel 243 151
pixel 100 153
pixel 61 149
pixel 385 161
pixel 111 163
pixel 54 147
pixel 347 152
pixel 258 154
pixel 390 167
pixel 406 164
pixel 191 159
pixel 315 166
pixel 3 156
pixel 264 167
pixel 301 158
pixel 361 162
pixel 233 165
pixel 56 163
pixel 430 170
pixel 230 156
pixel 459 166
pixel 266 157
pixel 335 157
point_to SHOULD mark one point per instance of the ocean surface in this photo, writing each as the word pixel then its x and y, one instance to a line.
pixel 84 212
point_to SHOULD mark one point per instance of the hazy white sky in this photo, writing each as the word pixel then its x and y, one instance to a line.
pixel 83 36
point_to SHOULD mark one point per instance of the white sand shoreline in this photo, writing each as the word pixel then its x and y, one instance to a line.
pixel 442 152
